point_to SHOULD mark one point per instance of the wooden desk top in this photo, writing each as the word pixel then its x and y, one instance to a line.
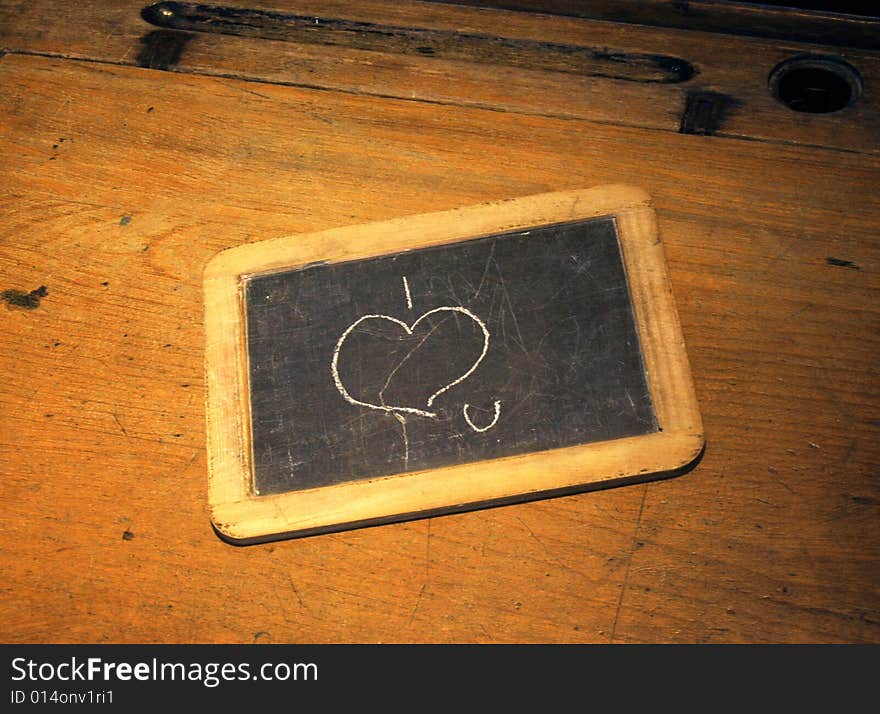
pixel 130 158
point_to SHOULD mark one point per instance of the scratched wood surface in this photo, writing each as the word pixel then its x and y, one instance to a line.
pixel 120 182
pixel 116 34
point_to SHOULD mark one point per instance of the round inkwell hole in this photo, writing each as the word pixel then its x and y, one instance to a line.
pixel 815 84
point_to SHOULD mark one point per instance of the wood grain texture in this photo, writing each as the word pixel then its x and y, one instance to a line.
pixel 843 23
pixel 120 183
pixel 118 35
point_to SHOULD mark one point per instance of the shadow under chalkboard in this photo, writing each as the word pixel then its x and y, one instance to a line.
pixel 490 347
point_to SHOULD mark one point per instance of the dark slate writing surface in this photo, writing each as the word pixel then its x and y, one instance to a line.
pixel 500 345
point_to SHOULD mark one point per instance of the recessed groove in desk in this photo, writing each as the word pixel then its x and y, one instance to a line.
pixel 439 44
pixel 85 31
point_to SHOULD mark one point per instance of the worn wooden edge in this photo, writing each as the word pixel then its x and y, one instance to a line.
pixel 844 27
pixel 734 99
pixel 238 515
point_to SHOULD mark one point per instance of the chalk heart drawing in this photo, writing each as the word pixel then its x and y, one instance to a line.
pixel 426 409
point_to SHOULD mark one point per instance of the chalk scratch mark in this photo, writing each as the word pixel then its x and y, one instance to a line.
pixel 402 419
pixel 506 298
pixel 456 299
pixel 489 261
pixel 398 411
pixel 337 380
pixel 408 294
pixel 405 360
pixel 497 412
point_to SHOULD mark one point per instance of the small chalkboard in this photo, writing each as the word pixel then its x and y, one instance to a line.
pixel 443 362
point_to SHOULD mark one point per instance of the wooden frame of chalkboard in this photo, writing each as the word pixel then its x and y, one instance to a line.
pixel 249 503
